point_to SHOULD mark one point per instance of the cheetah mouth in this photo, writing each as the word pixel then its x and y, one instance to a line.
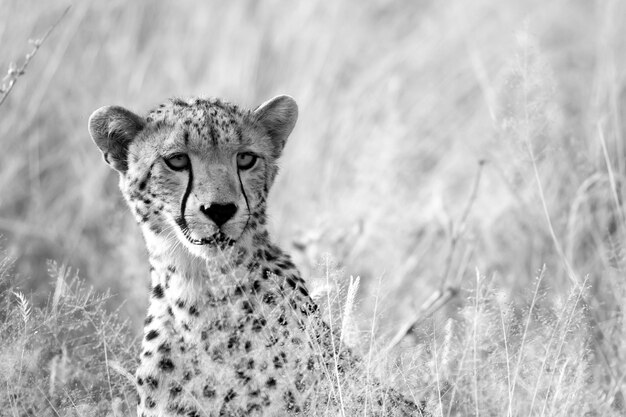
pixel 217 239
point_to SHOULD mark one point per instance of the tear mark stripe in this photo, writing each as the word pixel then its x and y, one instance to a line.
pixel 245 197
pixel 183 204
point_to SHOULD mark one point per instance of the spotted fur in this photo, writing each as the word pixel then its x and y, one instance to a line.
pixel 231 329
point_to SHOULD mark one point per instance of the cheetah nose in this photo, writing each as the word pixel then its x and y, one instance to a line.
pixel 219 213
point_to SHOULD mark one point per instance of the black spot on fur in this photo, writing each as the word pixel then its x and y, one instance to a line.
pixel 269 298
pixel 247 346
pixel 309 308
pixel 208 392
pixel 179 102
pixel 271 341
pixel 258 324
pixel 291 282
pixel 139 381
pixel 152 334
pixel 242 375
pixel 175 390
pixel 300 384
pixel 156 229
pixel 169 311
pixel 230 395
pixel 157 291
pixel 150 403
pixel 219 325
pixel 177 409
pixel 278 363
pixel 147 353
pixel 166 365
pixel 148 320
pixel 144 182
pixel 193 310
pixel 164 348
pixel 270 383
pixel 180 303
pixel 238 291
pixel 246 307
pixel 290 401
pixel 152 382
pixel 233 342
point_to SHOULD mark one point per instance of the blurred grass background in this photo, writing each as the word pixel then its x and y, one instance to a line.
pixel 400 101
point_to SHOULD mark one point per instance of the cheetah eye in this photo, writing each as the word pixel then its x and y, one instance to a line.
pixel 177 162
pixel 246 160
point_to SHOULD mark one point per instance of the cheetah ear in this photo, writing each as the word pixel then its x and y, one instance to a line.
pixel 113 128
pixel 278 116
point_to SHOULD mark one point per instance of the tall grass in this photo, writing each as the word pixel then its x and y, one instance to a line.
pixel 400 103
pixel 60 359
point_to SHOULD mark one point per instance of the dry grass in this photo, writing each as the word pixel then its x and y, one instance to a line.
pixel 399 102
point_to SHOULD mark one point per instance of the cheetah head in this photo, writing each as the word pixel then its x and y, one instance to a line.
pixel 198 171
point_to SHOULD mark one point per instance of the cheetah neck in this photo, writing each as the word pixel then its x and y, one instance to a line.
pixel 182 280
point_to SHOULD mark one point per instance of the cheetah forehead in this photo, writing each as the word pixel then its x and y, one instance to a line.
pixel 206 121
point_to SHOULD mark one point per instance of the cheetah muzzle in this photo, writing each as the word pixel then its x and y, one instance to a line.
pixel 231 329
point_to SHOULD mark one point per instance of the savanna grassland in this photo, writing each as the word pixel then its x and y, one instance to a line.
pixel 471 150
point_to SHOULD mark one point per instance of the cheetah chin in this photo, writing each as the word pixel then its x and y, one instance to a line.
pixel 218 239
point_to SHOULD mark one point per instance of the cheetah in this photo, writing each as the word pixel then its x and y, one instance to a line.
pixel 231 329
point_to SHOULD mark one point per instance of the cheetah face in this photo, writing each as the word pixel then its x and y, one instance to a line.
pixel 196 172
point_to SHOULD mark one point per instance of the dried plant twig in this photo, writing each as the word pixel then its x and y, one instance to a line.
pixel 457 231
pixel 445 293
pixel 14 72
pixel 437 300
